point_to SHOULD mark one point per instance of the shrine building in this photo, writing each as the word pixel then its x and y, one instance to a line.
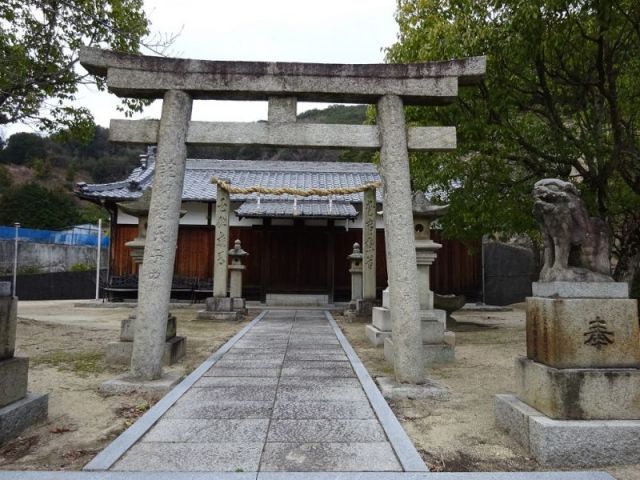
pixel 295 245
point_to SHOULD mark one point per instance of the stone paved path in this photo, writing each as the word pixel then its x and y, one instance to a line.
pixel 285 397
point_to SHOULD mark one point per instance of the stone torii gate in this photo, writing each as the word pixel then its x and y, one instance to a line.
pixel 180 81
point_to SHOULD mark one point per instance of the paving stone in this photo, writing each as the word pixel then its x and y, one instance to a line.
pixel 231 393
pixel 220 409
pixel 317 372
pixel 239 363
pixel 326 364
pixel 312 347
pixel 241 355
pixel 313 339
pixel 209 431
pixel 329 457
pixel 319 410
pixel 241 372
pixel 236 382
pixel 333 430
pixel 289 393
pixel 191 457
pixel 257 351
pixel 320 382
pixel 315 355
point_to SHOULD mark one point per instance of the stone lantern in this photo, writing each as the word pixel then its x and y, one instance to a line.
pixel 437 342
pixel 355 260
pixel 175 346
pixel 235 277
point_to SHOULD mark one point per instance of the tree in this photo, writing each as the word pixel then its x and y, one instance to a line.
pixel 39 44
pixel 37 207
pixel 23 147
pixel 561 98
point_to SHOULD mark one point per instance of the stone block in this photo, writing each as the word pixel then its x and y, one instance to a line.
pixel 327 410
pixel 124 384
pixel 239 304
pixel 325 430
pixel 301 300
pixel 579 394
pixel 127 328
pixel 189 430
pixel 580 289
pixel 191 457
pixel 5 289
pixel 18 416
pixel 8 320
pixel 219 304
pixel 14 374
pixel 381 319
pixel 583 333
pixel 438 354
pixel 119 353
pixel 376 336
pixel 433 353
pixel 450 338
pixel 329 457
pixel 569 444
pixel 218 316
pixel 220 409
pixel 385 298
pixel 392 390
pixel 365 306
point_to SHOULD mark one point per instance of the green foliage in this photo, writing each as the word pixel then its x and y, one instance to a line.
pixel 41 168
pixel 22 148
pixel 37 207
pixel 39 44
pixel 336 114
pixel 81 267
pixel 6 179
pixel 560 99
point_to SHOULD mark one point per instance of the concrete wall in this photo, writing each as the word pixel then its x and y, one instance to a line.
pixel 44 257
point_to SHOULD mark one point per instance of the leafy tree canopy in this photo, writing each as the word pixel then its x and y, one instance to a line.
pixel 561 98
pixel 37 207
pixel 39 43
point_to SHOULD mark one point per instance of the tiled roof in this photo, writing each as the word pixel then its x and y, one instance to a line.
pixel 304 208
pixel 244 173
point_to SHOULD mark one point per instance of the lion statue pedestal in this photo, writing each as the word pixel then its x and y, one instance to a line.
pixel 578 402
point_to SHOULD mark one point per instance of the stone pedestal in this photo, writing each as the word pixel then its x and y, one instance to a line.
pixel 222 309
pixel 381 325
pixel 119 353
pixel 578 388
pixel 18 408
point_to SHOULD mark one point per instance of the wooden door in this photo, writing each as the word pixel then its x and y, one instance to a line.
pixel 297 260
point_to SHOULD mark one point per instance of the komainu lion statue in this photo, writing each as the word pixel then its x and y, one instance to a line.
pixel 576 246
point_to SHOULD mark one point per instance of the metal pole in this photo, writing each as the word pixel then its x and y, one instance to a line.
pixel 99 250
pixel 15 258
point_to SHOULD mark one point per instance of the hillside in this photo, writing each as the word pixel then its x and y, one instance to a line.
pixel 33 167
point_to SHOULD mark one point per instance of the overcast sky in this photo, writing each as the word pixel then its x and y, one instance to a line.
pixel 327 31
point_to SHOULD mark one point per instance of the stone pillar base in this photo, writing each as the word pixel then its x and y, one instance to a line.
pixel 206 315
pixel 119 353
pixel 561 443
pixel 14 373
pixel 223 308
pixel 375 335
pixel 126 384
pixel 361 312
pixel 434 353
pixel 19 415
pixel 579 393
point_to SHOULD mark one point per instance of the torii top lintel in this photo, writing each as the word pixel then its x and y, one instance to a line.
pixel 142 76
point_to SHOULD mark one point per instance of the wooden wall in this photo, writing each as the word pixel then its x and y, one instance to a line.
pixel 275 254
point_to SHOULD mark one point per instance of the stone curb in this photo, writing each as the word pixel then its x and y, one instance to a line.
pixel 405 451
pixel 66 475
pixel 110 455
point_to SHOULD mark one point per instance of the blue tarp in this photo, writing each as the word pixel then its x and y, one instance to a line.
pixel 90 238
